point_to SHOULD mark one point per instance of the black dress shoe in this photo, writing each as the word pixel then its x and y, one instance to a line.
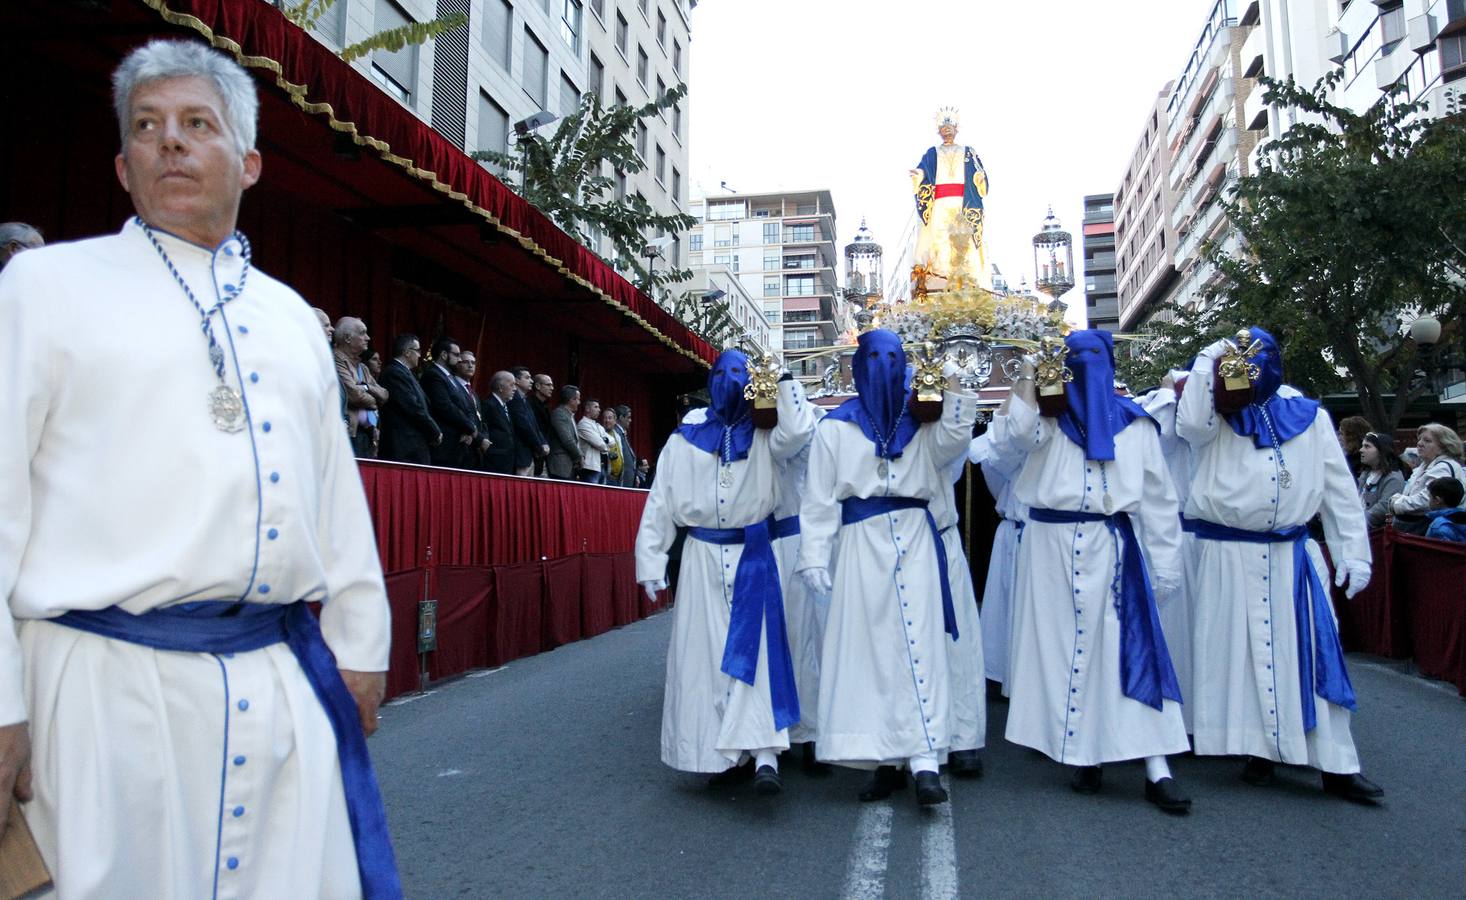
pixel 1086 780
pixel 965 763
pixel 929 790
pixel 1258 771
pixel 736 775
pixel 767 782
pixel 883 782
pixel 1355 787
pixel 1167 796
pixel 812 764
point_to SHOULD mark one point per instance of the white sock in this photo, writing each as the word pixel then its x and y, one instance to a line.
pixel 1156 768
pixel 923 762
pixel 766 757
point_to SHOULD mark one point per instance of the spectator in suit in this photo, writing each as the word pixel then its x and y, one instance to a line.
pixel 643 473
pixel 499 423
pixel 16 237
pixel 448 407
pixel 564 460
pixel 611 461
pixel 408 429
pixel 594 443
pixel 463 371
pixel 364 396
pixel 539 404
pixel 530 443
pixel 622 433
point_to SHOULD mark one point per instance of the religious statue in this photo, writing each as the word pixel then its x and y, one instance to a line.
pixel 949 185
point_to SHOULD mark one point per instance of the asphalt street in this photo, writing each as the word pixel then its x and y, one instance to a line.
pixel 542 779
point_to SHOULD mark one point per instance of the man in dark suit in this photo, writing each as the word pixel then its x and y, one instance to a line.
pixel 530 441
pixel 539 404
pixel 408 429
pixel 628 455
pixel 445 402
pixel 463 372
pixel 498 425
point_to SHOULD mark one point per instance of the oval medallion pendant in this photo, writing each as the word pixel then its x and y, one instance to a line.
pixel 226 408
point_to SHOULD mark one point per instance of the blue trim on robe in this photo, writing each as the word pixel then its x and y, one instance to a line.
pixel 1320 660
pixel 224 626
pixel 758 604
pixel 1146 672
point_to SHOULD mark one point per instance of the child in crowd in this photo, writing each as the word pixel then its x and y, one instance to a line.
pixel 1447 518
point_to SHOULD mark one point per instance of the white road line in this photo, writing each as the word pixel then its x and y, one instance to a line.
pixel 865 878
pixel 939 852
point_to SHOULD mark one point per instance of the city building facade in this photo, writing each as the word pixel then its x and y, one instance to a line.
pixel 519 57
pixel 1145 240
pixel 1101 304
pixel 782 246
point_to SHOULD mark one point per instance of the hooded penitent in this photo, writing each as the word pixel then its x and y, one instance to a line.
pixel 1095 415
pixel 1287 416
pixel 881 411
pixel 728 430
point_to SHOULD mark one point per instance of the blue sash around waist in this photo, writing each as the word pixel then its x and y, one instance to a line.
pixel 758 605
pixel 784 528
pixel 1146 672
pixel 222 626
pixel 858 509
pixel 1320 660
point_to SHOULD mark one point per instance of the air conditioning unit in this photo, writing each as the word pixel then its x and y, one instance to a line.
pixel 1336 45
pixel 1421 31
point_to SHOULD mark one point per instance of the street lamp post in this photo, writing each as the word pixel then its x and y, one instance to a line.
pixel 1435 364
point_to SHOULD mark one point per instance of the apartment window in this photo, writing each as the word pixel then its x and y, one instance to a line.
pixel 1453 51
pixel 331 26
pixel 676 56
pixel 644 4
pixel 643 64
pixel 570 16
pixel 661 164
pixel 622 29
pixel 598 78
pixel 736 239
pixel 771 263
pixel 620 98
pixel 799 286
pixel 599 8
pixel 661 92
pixel 771 236
pixel 569 96
pixel 677 121
pixel 493 127
pixel 771 288
pixel 735 262
pixel 620 186
pixel 1392 23
pixel 498 35
pixel 694 242
pixel 641 141
pixel 722 236
pixel 774 315
pixel 661 29
pixel 721 259
pixel 798 234
pixel 735 209
pixel 676 186
pixel 536 79
pixel 397 72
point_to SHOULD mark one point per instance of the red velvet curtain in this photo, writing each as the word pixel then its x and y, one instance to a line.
pixel 404 591
pixel 1373 622
pixel 1431 574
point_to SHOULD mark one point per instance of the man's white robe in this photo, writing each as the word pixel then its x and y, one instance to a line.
pixel 969 712
pixel 710 719
pixel 1175 611
pixel 1245 689
pixel 1000 464
pixel 885 671
pixel 157 773
pixel 804 614
pixel 1065 688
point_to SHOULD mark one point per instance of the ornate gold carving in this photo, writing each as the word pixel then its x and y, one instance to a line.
pixel 763 383
pixel 1237 370
pixel 929 379
pixel 1051 374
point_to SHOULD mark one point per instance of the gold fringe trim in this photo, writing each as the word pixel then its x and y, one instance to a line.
pixel 297 94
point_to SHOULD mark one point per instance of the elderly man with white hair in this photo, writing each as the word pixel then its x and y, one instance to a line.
pixel 176 719
pixel 16 237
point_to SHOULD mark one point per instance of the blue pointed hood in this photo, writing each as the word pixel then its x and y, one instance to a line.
pixel 1288 416
pixel 1095 414
pixel 881 409
pixel 728 430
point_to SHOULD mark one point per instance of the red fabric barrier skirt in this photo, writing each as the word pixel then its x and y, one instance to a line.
pixel 465 596
pixel 1373 622
pixel 404 591
pixel 1432 574
pixel 562 600
pixel 624 606
pixel 597 594
pixel 518 612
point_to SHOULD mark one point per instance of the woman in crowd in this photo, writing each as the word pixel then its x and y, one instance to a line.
pixel 1351 437
pixel 1381 477
pixel 1440 457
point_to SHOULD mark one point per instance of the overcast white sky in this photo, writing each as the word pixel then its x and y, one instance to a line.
pixel 836 94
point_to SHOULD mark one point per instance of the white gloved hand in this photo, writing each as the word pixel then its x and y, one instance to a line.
pixel 950 367
pixel 1165 585
pixel 1028 365
pixel 817 580
pixel 1353 576
pixel 1215 349
pixel 653 587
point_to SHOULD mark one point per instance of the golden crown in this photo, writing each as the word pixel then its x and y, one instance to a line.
pixel 947 115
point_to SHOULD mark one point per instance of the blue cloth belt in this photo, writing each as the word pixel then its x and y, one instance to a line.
pixel 784 528
pixel 1321 659
pixel 858 509
pixel 1146 673
pixel 757 601
pixel 223 626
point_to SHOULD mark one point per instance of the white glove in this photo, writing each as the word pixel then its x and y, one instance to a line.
pixel 1355 574
pixel 950 367
pixel 1215 349
pixel 817 580
pixel 1166 586
pixel 653 587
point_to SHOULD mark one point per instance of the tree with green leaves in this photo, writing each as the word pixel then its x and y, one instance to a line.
pixel 1352 226
pixel 308 12
pixel 575 176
